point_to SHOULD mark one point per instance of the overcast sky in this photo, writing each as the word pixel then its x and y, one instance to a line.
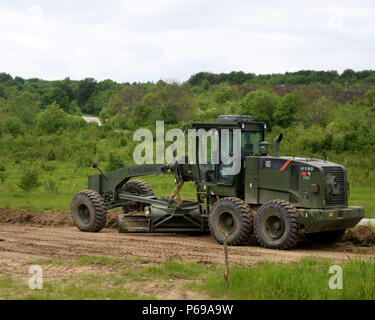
pixel 141 40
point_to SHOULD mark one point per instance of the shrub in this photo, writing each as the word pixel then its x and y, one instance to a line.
pixel 2 173
pixel 225 93
pixel 51 155
pixel 13 126
pixel 113 162
pixel 83 161
pixel 260 105
pixel 30 180
pixel 48 167
pixel 52 119
pixel 51 186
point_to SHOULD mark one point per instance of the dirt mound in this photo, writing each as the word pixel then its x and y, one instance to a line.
pixel 47 218
pixel 360 235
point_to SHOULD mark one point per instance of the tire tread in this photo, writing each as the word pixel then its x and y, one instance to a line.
pixel 100 213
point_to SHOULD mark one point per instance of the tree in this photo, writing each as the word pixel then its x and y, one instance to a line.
pixel 125 100
pixel 107 85
pixel 52 119
pixel 370 79
pixel 317 112
pixel 58 96
pixel 13 126
pixel 349 77
pixel 260 105
pixel 205 84
pixel 286 109
pixel 18 82
pixel 86 88
pixel 4 77
pixel 97 102
pixel 23 105
pixel 66 85
pixel 225 93
pixel 370 99
pixel 30 180
pixel 2 92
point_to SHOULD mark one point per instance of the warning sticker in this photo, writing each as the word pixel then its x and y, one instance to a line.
pixel 306 175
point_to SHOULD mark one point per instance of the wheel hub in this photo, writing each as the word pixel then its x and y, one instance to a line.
pixel 274 227
pixel 227 222
pixel 84 213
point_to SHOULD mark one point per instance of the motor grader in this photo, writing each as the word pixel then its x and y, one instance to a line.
pixel 280 200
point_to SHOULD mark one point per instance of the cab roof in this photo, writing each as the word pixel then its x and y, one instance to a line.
pixel 230 120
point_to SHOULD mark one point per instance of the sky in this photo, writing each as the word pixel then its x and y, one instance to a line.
pixel 149 40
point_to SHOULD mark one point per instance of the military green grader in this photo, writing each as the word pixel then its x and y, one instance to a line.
pixel 280 200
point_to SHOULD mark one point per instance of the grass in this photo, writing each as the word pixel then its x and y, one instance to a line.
pixel 42 262
pixel 70 179
pixel 171 270
pixel 81 261
pixel 75 288
pixel 87 260
pixel 364 197
pixel 304 280
pixel 307 279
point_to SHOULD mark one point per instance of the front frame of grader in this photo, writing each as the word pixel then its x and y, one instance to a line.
pixel 167 215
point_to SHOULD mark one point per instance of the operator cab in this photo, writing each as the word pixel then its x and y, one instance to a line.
pixel 252 135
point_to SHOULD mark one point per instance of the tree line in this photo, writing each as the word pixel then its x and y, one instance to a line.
pixel 40 120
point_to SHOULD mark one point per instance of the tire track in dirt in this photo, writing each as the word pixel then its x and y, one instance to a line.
pixel 32 243
pixel 22 245
pixel 32 236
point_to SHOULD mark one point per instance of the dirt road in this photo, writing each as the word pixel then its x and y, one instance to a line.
pixel 49 237
pixel 20 244
pixel 27 236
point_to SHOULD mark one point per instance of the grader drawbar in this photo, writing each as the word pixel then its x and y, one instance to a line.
pixel 280 200
pixel 142 210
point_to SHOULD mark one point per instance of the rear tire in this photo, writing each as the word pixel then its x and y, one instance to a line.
pixel 276 225
pixel 138 187
pixel 327 237
pixel 88 211
pixel 231 216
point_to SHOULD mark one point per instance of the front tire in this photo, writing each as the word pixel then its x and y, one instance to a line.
pixel 88 211
pixel 231 216
pixel 276 225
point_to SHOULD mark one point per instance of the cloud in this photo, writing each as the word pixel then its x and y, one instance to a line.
pixel 164 39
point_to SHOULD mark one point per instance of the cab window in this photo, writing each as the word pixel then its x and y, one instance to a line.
pixel 250 141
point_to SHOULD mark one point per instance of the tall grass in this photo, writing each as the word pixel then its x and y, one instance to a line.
pixel 82 287
pixel 307 279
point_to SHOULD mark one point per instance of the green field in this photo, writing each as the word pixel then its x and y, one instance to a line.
pixel 306 279
pixel 364 197
pixel 69 179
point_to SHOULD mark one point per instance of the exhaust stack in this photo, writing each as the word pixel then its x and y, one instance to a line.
pixel 276 145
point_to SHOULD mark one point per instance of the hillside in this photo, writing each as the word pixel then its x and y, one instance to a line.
pixel 46 146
